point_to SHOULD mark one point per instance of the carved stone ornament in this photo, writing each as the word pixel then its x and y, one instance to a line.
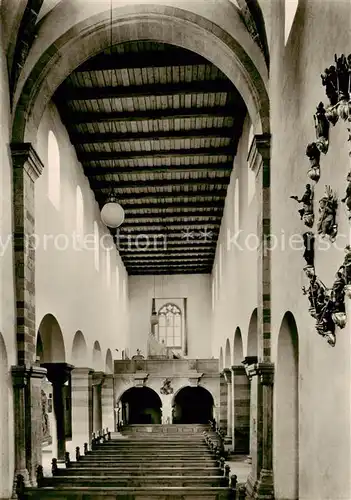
pixel 314 155
pixel 328 205
pixel 306 212
pixel 166 388
pixel 347 198
pixel 336 80
pixel 322 129
pixel 308 241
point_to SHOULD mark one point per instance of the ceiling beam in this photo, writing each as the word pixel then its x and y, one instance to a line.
pixel 164 217
pixel 211 167
pixel 70 93
pixel 165 272
pixel 214 193
pixel 88 157
pixel 171 250
pixel 112 137
pixel 70 117
pixel 142 59
pixel 174 205
pixel 166 232
pixel 162 257
pixel 173 246
pixel 184 225
pixel 96 183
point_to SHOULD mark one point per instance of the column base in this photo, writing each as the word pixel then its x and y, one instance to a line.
pixel 27 483
pixel 261 489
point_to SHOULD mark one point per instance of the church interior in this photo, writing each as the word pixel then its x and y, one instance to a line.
pixel 175 249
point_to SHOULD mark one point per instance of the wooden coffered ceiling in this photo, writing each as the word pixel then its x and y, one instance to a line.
pixel 159 125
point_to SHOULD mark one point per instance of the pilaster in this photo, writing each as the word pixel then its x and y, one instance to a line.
pixel 223 395
pixel 28 424
pixel 82 406
pixel 228 377
pixel 98 380
pixel 241 409
pixel 27 167
pixel 107 403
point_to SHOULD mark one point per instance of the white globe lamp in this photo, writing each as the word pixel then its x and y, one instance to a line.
pixel 112 213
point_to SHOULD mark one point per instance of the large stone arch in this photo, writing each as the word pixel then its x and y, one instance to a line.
pixel 141 405
pixel 286 411
pixel 4 423
pixel 79 350
pixel 50 341
pixel 80 36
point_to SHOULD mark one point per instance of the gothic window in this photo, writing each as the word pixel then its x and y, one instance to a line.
pixel 170 325
pixel 79 215
pixel 236 207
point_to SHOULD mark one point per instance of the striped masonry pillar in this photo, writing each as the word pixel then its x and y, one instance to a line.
pixel 82 415
pixel 107 403
pixel 241 410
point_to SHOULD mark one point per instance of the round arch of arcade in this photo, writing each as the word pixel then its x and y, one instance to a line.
pixel 236 55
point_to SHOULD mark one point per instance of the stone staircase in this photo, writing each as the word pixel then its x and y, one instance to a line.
pixel 161 462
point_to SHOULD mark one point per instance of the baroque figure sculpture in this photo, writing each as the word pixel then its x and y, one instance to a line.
pixel 308 241
pixel 322 129
pixel 166 388
pixel 336 80
pixel 347 198
pixel 328 205
pixel 45 417
pixel 314 155
pixel 306 212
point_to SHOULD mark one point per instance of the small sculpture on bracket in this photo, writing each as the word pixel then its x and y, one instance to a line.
pixel 308 241
pixel 322 129
pixel 166 388
pixel 347 198
pixel 314 155
pixel 306 212
pixel 328 205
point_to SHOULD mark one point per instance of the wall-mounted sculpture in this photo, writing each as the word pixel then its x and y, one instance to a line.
pixel 336 80
pixel 321 125
pixel 306 212
pixel 347 198
pixel 314 156
pixel 166 388
pixel 328 205
pixel 308 241
pixel 327 306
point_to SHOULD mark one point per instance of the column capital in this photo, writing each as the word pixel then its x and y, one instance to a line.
pixel 227 375
pixel 238 370
pixel 266 373
pixel 262 143
pixel 98 378
pixel 82 371
pixel 24 156
pixel 21 374
pixel 58 373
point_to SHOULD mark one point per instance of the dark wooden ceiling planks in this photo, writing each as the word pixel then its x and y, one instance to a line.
pixel 159 126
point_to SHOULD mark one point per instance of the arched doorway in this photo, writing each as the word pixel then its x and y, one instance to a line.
pixel 286 412
pixel 193 405
pixel 141 405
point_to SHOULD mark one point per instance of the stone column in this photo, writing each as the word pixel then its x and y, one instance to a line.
pixel 228 378
pixel 82 406
pixel 28 421
pixel 241 410
pixel 260 481
pixel 223 395
pixel 58 374
pixel 107 403
pixel 98 378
